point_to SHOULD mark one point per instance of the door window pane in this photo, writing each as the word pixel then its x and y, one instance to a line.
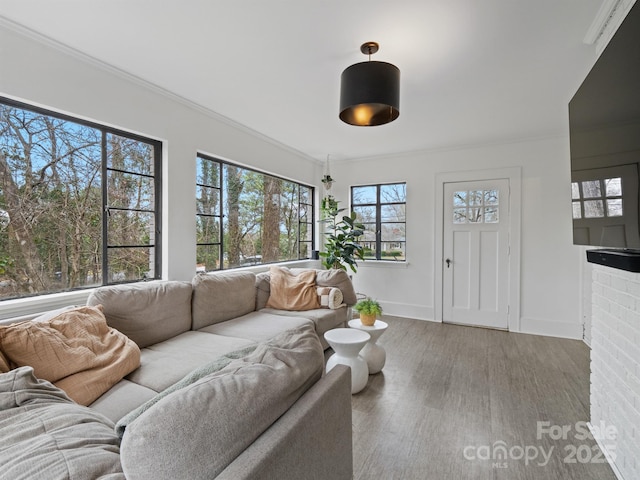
pixel 575 191
pixel 613 187
pixel 577 211
pixel 459 215
pixel 614 207
pixel 591 189
pixel 490 215
pixel 593 209
pixel 491 197
pixel 475 198
pixel 474 215
pixel 459 198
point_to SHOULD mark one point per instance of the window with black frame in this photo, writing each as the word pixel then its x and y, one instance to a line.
pixel 245 217
pixel 381 208
pixel 79 203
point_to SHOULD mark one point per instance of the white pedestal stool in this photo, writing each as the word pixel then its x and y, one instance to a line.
pixel 347 343
pixel 374 354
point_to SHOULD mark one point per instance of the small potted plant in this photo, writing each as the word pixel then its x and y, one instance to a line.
pixel 368 309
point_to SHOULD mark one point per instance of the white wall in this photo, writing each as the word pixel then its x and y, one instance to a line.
pixel 550 293
pixel 39 74
pixel 36 72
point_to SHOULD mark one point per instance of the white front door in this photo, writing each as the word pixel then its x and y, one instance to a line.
pixel 476 253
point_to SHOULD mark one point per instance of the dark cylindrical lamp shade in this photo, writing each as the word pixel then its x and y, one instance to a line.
pixel 370 94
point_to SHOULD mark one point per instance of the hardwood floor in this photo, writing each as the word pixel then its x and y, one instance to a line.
pixel 450 396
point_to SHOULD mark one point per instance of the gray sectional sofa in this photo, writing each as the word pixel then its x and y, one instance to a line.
pixel 226 389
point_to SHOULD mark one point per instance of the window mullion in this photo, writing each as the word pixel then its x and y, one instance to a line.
pixel 157 196
pixel 222 215
pixel 378 225
pixel 105 210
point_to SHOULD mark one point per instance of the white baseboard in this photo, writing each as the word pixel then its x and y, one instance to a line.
pixel 418 312
pixel 607 454
pixel 550 328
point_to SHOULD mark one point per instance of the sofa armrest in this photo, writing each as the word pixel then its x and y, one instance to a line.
pixel 312 440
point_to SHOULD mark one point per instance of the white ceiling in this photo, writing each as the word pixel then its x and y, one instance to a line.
pixel 472 71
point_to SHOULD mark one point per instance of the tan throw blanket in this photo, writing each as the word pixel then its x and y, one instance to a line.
pixel 76 351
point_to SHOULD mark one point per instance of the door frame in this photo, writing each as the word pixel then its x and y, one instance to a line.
pixel 514 176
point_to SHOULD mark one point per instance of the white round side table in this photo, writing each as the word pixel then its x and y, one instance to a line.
pixel 374 354
pixel 346 344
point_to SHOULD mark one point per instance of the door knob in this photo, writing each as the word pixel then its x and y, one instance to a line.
pixel 448 260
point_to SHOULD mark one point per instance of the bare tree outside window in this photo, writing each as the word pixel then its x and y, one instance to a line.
pixel 64 224
pixel 264 218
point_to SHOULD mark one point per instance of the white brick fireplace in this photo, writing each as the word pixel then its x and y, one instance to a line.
pixel 615 367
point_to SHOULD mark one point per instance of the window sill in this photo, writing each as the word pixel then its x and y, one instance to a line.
pixel 33 306
pixel 382 264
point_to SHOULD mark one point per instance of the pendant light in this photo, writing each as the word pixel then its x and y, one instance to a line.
pixel 370 91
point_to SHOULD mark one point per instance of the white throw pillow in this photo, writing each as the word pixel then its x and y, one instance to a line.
pixel 330 297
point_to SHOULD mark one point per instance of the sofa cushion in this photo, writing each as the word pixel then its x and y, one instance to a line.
pixel 192 377
pixel 146 312
pixel 120 399
pixel 45 435
pixel 222 296
pixel 323 318
pixel 222 413
pixel 76 350
pixel 291 291
pixel 263 289
pixel 163 364
pixel 256 326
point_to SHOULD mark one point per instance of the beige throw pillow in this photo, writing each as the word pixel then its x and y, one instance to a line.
pixel 292 292
pixel 76 350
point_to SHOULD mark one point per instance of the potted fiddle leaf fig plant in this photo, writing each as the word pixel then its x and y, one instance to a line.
pixel 342 247
pixel 369 309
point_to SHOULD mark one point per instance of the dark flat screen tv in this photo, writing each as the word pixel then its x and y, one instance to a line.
pixel 604 123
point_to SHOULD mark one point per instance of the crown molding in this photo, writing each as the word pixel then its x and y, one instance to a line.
pixel 497 142
pixel 601 21
pixel 93 61
pixel 610 16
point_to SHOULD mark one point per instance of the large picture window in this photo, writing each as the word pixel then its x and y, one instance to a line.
pixel 245 217
pixel 79 203
pixel 381 208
